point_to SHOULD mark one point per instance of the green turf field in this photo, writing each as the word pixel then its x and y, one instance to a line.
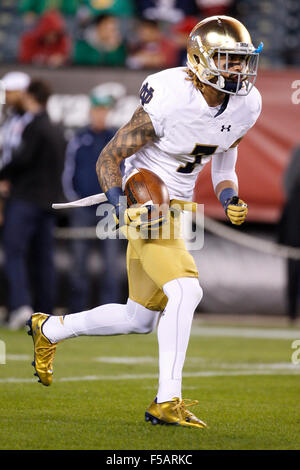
pixel 247 387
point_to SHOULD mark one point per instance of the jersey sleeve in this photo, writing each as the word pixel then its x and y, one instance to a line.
pixel 255 105
pixel 151 98
pixel 249 113
pixel 223 167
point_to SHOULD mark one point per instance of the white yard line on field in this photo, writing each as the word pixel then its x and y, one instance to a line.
pixel 18 357
pixel 207 373
pixel 240 332
pixel 126 360
pixel 199 360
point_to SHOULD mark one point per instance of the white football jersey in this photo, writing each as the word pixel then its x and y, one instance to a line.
pixel 188 131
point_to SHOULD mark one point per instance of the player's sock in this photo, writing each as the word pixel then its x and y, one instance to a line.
pixel 105 320
pixel 173 334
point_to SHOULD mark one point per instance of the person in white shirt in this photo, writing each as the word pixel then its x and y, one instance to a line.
pixel 14 85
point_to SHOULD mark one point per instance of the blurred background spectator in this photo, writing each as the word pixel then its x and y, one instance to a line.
pixel 48 43
pixel 15 85
pixel 92 8
pixel 214 7
pixel 37 7
pixel 152 48
pixel 289 232
pixel 80 180
pixel 34 172
pixel 14 121
pixel 180 33
pixel 101 43
pixel 124 10
pixel 170 11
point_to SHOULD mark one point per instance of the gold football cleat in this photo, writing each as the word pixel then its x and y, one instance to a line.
pixel 44 351
pixel 174 412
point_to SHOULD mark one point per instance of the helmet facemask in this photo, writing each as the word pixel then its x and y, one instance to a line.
pixel 218 62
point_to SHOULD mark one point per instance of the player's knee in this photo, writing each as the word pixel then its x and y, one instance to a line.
pixel 197 292
pixel 146 323
pixel 142 320
pixel 187 288
pixel 144 329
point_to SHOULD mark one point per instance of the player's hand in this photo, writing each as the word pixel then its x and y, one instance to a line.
pixel 236 210
pixel 138 217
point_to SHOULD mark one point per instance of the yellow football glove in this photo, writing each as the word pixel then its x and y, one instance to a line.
pixel 236 210
pixel 137 217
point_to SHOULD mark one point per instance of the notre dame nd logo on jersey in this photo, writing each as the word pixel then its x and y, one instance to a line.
pixel 146 94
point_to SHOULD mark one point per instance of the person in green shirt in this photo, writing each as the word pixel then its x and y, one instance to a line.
pixel 122 8
pixel 101 43
pixel 66 7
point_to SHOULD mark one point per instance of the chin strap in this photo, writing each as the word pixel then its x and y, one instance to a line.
pixel 232 86
pixel 228 85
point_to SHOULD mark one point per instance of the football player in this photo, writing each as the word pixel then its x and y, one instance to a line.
pixel 187 117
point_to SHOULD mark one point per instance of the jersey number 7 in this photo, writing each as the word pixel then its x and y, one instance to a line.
pixel 198 152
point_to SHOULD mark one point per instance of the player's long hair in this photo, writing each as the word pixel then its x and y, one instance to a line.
pixel 193 78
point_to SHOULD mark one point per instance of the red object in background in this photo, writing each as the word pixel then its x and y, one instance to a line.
pixel 166 48
pixel 34 46
pixel 216 7
pixel 264 152
pixel 186 25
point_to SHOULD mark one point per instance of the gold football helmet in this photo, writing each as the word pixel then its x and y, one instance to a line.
pixel 212 45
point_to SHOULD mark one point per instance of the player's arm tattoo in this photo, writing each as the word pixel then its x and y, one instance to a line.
pixel 128 140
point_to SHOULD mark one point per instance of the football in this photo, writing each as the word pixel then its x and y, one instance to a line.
pixel 143 187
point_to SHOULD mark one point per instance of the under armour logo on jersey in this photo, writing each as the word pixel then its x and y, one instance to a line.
pixel 226 128
pixel 146 94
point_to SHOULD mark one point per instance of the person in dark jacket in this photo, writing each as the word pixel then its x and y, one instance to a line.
pixel 34 173
pixel 289 231
pixel 79 181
